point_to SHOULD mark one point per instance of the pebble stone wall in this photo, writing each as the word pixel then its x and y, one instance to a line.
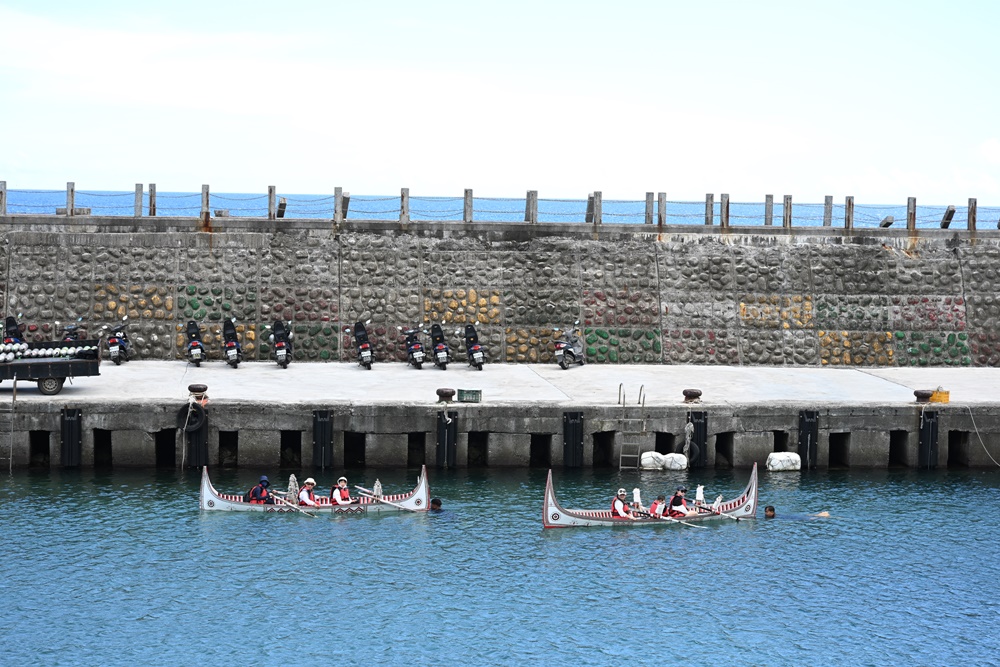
pixel 678 298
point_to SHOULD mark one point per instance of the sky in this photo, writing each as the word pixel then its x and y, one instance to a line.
pixel 877 100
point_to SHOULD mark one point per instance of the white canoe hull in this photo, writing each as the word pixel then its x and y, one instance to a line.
pixel 417 500
pixel 554 515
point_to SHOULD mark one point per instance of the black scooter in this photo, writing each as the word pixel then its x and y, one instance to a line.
pixel 281 338
pixel 231 347
pixel 361 342
pixel 414 348
pixel 195 347
pixel 475 351
pixel 119 348
pixel 441 352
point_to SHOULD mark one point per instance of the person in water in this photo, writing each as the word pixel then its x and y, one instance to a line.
pixel 678 506
pixel 435 504
pixel 340 494
pixel 620 508
pixel 259 495
pixel 306 494
pixel 769 513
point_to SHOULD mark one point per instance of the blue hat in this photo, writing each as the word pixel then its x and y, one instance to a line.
pixel 263 478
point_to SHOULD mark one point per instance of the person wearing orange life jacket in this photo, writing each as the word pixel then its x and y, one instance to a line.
pixel 306 495
pixel 620 508
pixel 678 506
pixel 259 495
pixel 658 506
pixel 340 494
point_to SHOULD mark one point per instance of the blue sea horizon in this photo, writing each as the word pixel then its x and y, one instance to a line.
pixel 485 209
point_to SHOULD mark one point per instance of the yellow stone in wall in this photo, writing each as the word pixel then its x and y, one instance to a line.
pixel 472 295
pixel 169 303
pixel 452 305
pixel 160 314
pixel 112 305
pixel 494 299
pixel 147 314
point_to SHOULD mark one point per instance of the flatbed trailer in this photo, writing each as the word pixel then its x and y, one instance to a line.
pixel 50 374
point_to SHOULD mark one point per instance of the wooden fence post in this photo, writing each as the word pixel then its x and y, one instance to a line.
pixel 649 208
pixel 661 208
pixel 404 206
pixel 205 204
pixel 786 217
pixel 152 200
pixel 3 197
pixel 710 210
pixel 598 208
pixel 338 205
pixel 272 202
pixel 946 219
pixel 849 213
pixel 972 214
pixel 467 206
pixel 768 210
pixel 911 214
pixel 724 211
pixel 589 215
pixel 828 211
pixel 70 198
pixel 531 207
pixel 138 200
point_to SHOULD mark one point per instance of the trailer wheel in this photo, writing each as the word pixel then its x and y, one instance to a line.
pixel 50 386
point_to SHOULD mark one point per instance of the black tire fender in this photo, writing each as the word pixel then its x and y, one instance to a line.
pixel 192 417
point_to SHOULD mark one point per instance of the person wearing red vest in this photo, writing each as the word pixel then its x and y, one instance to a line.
pixel 678 506
pixel 658 506
pixel 620 508
pixel 259 495
pixel 306 496
pixel 340 494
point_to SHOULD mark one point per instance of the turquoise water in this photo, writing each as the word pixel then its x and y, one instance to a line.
pixel 121 567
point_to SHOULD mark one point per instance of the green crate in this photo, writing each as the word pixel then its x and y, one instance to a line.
pixel 470 395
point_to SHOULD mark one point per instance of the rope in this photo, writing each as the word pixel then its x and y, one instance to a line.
pixel 969 408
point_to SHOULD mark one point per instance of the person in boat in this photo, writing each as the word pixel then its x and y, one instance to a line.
pixel 678 505
pixel 658 506
pixel 306 495
pixel 259 494
pixel 620 508
pixel 340 494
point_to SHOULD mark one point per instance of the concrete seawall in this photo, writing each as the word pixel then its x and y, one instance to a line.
pixel 340 415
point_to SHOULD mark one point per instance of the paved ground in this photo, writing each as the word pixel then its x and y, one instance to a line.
pixel 507 383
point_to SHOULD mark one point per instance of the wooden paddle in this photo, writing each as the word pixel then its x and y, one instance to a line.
pixel 708 510
pixel 387 502
pixel 293 506
pixel 669 518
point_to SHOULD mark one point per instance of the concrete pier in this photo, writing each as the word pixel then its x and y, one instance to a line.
pixel 341 415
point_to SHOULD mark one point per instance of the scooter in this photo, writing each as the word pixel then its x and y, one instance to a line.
pixel 195 348
pixel 119 348
pixel 475 351
pixel 414 348
pixel 281 338
pixel 442 355
pixel 362 344
pixel 12 331
pixel 569 348
pixel 231 347
pixel 71 332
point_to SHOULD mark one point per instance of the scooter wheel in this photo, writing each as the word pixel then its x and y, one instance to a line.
pixel 563 365
pixel 197 363
pixel 418 365
pixel 444 367
pixel 368 366
pixel 479 367
pixel 117 360
pixel 283 364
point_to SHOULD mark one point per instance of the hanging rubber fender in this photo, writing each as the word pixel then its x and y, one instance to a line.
pixel 192 417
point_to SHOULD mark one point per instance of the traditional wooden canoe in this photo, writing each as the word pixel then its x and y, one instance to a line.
pixel 555 515
pixel 417 500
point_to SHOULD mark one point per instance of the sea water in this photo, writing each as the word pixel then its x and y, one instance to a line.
pixel 121 568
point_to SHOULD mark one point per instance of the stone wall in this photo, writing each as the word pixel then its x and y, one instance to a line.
pixel 643 294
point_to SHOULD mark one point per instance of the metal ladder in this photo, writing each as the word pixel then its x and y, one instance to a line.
pixel 633 430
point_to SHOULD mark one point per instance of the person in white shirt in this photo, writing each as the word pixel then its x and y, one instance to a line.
pixel 306 496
